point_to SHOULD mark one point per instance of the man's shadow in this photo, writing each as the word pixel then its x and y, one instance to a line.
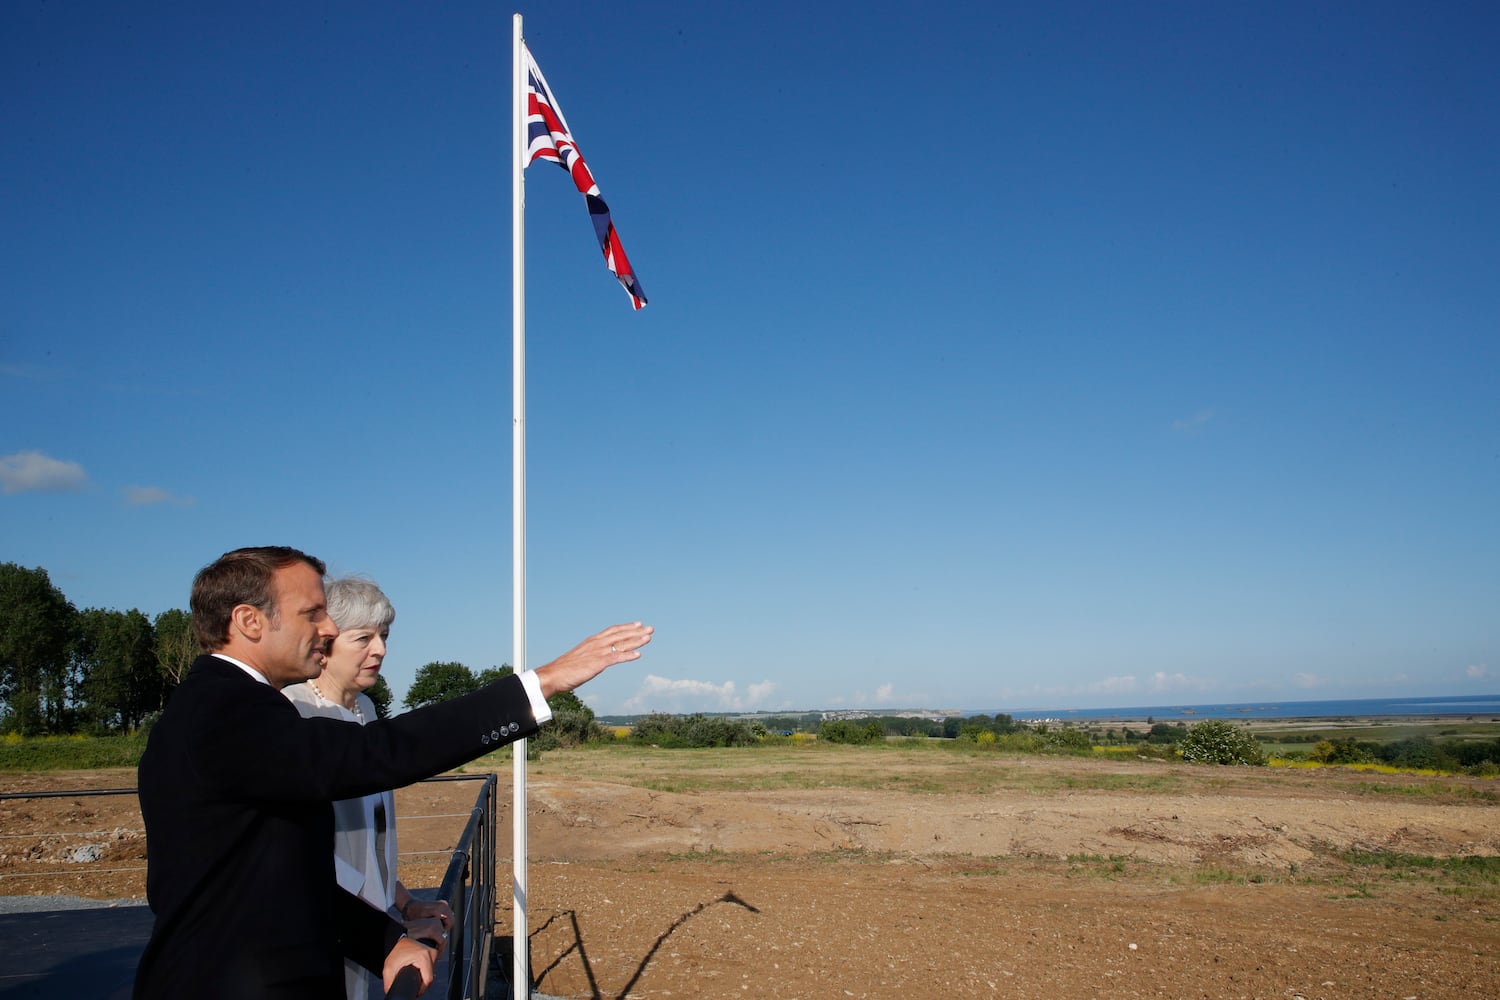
pixel 505 953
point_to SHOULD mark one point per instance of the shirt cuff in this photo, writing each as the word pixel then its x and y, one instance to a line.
pixel 540 710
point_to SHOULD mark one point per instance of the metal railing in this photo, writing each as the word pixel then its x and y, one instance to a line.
pixel 469 887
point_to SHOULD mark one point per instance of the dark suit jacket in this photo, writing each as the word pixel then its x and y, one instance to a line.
pixel 235 791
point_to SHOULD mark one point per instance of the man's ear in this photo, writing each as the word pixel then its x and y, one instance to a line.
pixel 248 620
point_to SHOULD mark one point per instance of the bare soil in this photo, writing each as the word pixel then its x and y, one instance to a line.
pixel 853 872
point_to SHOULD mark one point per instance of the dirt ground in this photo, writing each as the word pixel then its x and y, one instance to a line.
pixel 849 872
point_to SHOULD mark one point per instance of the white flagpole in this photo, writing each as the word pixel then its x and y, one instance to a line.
pixel 520 930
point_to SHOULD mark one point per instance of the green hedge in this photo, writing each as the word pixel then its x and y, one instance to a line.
pixel 66 753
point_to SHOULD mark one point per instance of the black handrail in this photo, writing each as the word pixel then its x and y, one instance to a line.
pixel 469 887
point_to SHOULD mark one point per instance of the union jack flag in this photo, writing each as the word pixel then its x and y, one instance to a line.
pixel 548 138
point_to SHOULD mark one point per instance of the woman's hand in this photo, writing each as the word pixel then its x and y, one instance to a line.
pixel 416 909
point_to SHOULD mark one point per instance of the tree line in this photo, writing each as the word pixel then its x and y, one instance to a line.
pixel 1478 757
pixel 101 671
pixel 96 671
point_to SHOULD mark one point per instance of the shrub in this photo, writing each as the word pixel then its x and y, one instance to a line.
pixel 846 731
pixel 1023 742
pixel 682 731
pixel 1069 741
pixel 1220 742
pixel 1163 732
pixel 1341 750
pixel 569 729
pixel 64 753
pixel 1419 753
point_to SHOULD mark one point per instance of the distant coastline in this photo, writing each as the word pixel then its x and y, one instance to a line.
pixel 1464 705
pixel 1459 706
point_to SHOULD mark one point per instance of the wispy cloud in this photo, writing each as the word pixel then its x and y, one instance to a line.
pixel 145 496
pixel 1379 682
pixel 664 693
pixel 1112 685
pixel 1163 681
pixel 1306 680
pixel 1477 671
pixel 1193 424
pixel 884 695
pixel 34 472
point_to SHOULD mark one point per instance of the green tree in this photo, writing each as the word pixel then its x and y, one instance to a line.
pixel 36 625
pixel 1340 750
pixel 567 701
pixel 380 694
pixel 1004 723
pixel 1419 752
pixel 1476 753
pixel 1219 742
pixel 572 723
pixel 490 675
pixel 698 730
pixel 176 645
pixel 1069 740
pixel 1164 732
pixel 437 682
pixel 119 681
pixel 848 731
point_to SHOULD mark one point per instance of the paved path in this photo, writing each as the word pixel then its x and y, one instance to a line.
pixel 66 948
pixel 59 948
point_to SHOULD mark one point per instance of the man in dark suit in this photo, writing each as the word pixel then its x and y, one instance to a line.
pixel 236 787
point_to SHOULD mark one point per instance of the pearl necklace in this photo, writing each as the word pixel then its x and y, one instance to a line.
pixel 358 712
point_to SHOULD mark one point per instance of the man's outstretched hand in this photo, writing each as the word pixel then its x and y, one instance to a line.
pixel 592 656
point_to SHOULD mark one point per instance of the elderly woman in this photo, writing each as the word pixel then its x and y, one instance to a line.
pixel 365 828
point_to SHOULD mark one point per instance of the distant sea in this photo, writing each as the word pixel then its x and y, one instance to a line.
pixel 1481 704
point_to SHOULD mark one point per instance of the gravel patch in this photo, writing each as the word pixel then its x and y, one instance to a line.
pixel 42 904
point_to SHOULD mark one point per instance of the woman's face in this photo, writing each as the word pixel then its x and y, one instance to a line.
pixel 354 661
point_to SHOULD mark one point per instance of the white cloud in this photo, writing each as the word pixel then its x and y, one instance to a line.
pixel 34 472
pixel 1163 681
pixel 1477 671
pixel 1111 685
pixel 142 496
pixel 1195 423
pixel 1306 680
pixel 883 695
pixel 756 694
pixel 664 693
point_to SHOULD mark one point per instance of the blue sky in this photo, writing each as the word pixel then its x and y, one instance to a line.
pixel 1005 356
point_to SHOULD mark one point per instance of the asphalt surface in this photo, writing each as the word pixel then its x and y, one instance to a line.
pixel 34 904
pixel 66 948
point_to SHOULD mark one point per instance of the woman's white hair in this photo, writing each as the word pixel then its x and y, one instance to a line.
pixel 355 602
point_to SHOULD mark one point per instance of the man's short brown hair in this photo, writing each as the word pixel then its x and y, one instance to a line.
pixel 239 577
